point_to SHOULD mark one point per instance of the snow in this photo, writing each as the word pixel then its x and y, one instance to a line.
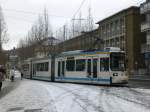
pixel 65 97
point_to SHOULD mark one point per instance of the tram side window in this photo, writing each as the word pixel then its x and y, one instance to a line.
pixel 42 66
pixel 38 66
pixel 34 68
pixel 70 65
pixel 46 66
pixel 80 65
pixel 104 64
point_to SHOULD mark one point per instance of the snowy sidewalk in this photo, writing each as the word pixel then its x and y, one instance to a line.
pixel 8 86
pixel 6 83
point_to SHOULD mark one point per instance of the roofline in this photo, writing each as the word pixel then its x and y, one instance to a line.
pixel 117 13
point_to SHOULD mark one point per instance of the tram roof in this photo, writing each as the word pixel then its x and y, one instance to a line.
pixel 87 52
pixel 41 58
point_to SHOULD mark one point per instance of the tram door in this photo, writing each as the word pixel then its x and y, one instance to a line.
pixel 92 67
pixel 89 67
pixel 61 68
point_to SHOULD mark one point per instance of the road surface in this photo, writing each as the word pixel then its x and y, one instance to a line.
pixel 38 96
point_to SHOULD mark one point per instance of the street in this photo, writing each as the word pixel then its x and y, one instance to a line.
pixel 38 96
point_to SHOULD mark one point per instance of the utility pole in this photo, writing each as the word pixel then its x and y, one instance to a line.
pixel 64 38
pixel 64 35
pixel 73 26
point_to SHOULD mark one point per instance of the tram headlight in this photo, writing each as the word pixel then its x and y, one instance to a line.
pixel 115 74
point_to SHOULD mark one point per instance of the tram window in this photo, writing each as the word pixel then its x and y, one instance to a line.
pixel 117 62
pixel 34 68
pixel 70 65
pixel 80 65
pixel 104 64
pixel 46 66
pixel 38 66
pixel 42 66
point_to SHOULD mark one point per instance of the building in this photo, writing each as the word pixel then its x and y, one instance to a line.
pixel 46 46
pixel 145 27
pixel 123 30
pixel 13 59
pixel 85 41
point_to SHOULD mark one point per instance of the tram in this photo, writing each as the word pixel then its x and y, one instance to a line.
pixel 26 68
pixel 96 67
pixel 41 68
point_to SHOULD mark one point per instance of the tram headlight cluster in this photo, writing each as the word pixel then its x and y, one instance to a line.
pixel 115 74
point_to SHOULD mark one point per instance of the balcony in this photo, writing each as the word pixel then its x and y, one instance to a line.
pixel 145 8
pixel 145 48
pixel 145 26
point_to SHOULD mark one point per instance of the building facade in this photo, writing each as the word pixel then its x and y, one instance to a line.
pixel 123 30
pixel 85 41
pixel 145 27
pixel 46 47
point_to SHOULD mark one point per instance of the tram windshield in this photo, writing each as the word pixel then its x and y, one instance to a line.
pixel 117 61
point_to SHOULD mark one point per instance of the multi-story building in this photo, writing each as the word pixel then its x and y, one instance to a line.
pixel 145 27
pixel 123 30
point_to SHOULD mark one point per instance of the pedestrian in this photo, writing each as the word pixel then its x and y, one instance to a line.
pixel 2 72
pixel 12 73
pixel 21 75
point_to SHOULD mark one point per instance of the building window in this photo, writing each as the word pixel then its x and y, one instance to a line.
pixel 148 17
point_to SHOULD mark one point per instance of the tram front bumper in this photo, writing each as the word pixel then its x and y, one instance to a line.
pixel 120 79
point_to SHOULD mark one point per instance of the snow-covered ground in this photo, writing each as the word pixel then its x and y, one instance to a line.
pixel 37 96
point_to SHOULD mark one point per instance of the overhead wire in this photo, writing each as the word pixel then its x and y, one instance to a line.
pixel 82 3
pixel 79 8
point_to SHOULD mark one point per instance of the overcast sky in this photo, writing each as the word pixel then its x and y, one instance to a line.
pixel 21 14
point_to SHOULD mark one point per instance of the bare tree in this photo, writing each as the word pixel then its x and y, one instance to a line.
pixel 39 31
pixel 3 37
pixel 3 30
pixel 78 25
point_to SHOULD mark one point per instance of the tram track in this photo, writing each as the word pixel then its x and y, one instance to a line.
pixel 135 93
pixel 134 99
pixel 85 103
pixel 80 98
